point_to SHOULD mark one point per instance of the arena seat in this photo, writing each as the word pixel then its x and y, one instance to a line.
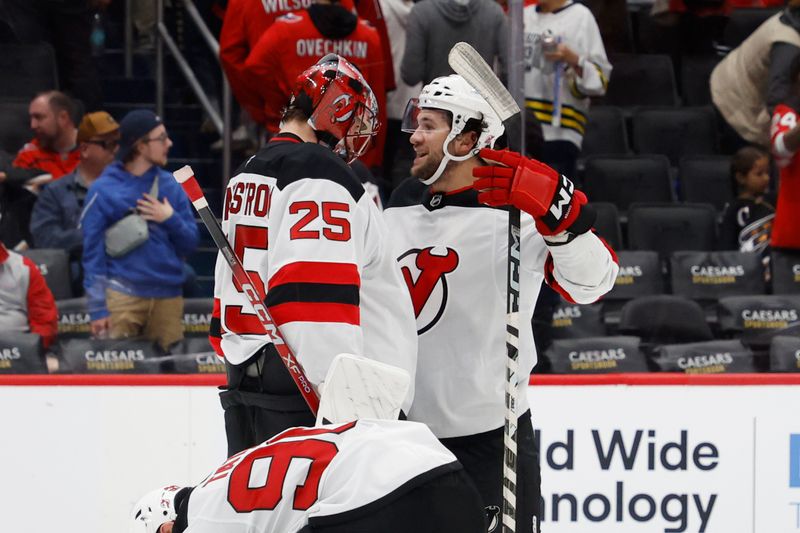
pixel 743 21
pixel 695 72
pixel 27 69
pixel 757 319
pixel 706 179
pixel 110 356
pixel 21 353
pixel 674 132
pixel 640 274
pixel 573 321
pixel 605 132
pixel 708 276
pixel 623 180
pixel 73 319
pixel 607 224
pixel 194 355
pixel 784 354
pixel 664 319
pixel 785 265
pixel 14 129
pixel 666 228
pixel 596 355
pixel 710 357
pixel 197 316
pixel 641 80
pixel 54 266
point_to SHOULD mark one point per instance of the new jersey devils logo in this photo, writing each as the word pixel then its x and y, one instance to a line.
pixel 428 288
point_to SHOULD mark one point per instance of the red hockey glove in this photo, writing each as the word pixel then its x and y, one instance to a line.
pixel 532 187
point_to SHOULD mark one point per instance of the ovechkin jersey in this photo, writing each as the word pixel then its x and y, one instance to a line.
pixel 452 252
pixel 304 475
pixel 316 247
pixel 785 226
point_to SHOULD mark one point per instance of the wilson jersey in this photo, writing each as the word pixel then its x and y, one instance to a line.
pixel 574 25
pixel 785 226
pixel 316 247
pixel 452 252
pixel 304 474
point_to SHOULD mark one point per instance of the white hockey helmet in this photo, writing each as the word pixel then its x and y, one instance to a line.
pixel 453 94
pixel 153 509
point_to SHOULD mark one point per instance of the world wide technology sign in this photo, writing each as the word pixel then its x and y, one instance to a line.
pixel 669 458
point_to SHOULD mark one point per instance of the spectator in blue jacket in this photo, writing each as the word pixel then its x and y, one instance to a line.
pixel 138 293
pixel 57 211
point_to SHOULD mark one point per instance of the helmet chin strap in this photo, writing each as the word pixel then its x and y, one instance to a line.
pixel 446 159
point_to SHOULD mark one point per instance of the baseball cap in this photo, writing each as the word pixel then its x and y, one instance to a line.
pixel 95 124
pixel 133 127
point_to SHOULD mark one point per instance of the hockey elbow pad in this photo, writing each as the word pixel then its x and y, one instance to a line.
pixel 533 187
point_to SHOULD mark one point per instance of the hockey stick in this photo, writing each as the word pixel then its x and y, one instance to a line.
pixel 467 62
pixel 185 176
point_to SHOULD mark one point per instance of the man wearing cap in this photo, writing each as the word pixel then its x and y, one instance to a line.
pixel 135 290
pixel 56 214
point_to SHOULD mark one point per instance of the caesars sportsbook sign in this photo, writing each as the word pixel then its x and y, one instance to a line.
pixel 673 459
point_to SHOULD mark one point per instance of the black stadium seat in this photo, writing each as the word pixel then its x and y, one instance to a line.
pixel 108 356
pixel 197 316
pixel 757 319
pixel 674 132
pixel 743 21
pixel 703 275
pixel 596 355
pixel 14 126
pixel 667 228
pixel 695 73
pixel 710 357
pixel 784 354
pixel 73 319
pixel 706 179
pixel 664 319
pixel 785 266
pixel 573 321
pixel 622 180
pixel 54 265
pixel 27 69
pixel 605 132
pixel 21 353
pixel 641 80
pixel 607 224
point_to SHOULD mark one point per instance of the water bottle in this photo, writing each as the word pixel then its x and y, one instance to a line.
pixel 98 36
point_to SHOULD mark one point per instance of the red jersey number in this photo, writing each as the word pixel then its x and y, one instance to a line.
pixel 256 238
pixel 245 498
pixel 336 228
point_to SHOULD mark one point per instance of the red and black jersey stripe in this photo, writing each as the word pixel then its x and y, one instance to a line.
pixel 307 291
pixel 215 329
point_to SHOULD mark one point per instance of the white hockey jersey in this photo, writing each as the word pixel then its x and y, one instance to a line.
pixel 453 255
pixel 304 474
pixel 316 247
pixel 576 27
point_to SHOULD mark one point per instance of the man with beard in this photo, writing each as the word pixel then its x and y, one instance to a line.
pixel 134 285
pixel 53 149
pixel 451 241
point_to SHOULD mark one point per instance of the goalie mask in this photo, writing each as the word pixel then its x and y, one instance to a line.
pixel 154 509
pixel 457 97
pixel 340 104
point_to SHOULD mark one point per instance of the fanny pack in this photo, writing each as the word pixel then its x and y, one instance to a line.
pixel 130 232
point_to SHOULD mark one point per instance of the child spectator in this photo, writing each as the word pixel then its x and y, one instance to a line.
pixel 747 220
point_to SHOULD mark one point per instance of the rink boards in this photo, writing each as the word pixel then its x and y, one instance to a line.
pixel 625 453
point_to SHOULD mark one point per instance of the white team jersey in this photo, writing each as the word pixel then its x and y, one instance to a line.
pixel 317 247
pixel 453 254
pixel 305 473
pixel 575 25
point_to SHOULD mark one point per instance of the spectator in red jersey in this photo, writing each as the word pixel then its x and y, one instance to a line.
pixel 298 40
pixel 26 303
pixel 785 142
pixel 54 148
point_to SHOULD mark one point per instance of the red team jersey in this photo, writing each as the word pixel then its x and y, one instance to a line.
pixel 786 226
pixel 292 44
pixel 32 155
pixel 307 475
pixel 317 248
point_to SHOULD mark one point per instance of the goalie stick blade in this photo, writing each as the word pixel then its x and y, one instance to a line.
pixel 467 62
pixel 357 387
